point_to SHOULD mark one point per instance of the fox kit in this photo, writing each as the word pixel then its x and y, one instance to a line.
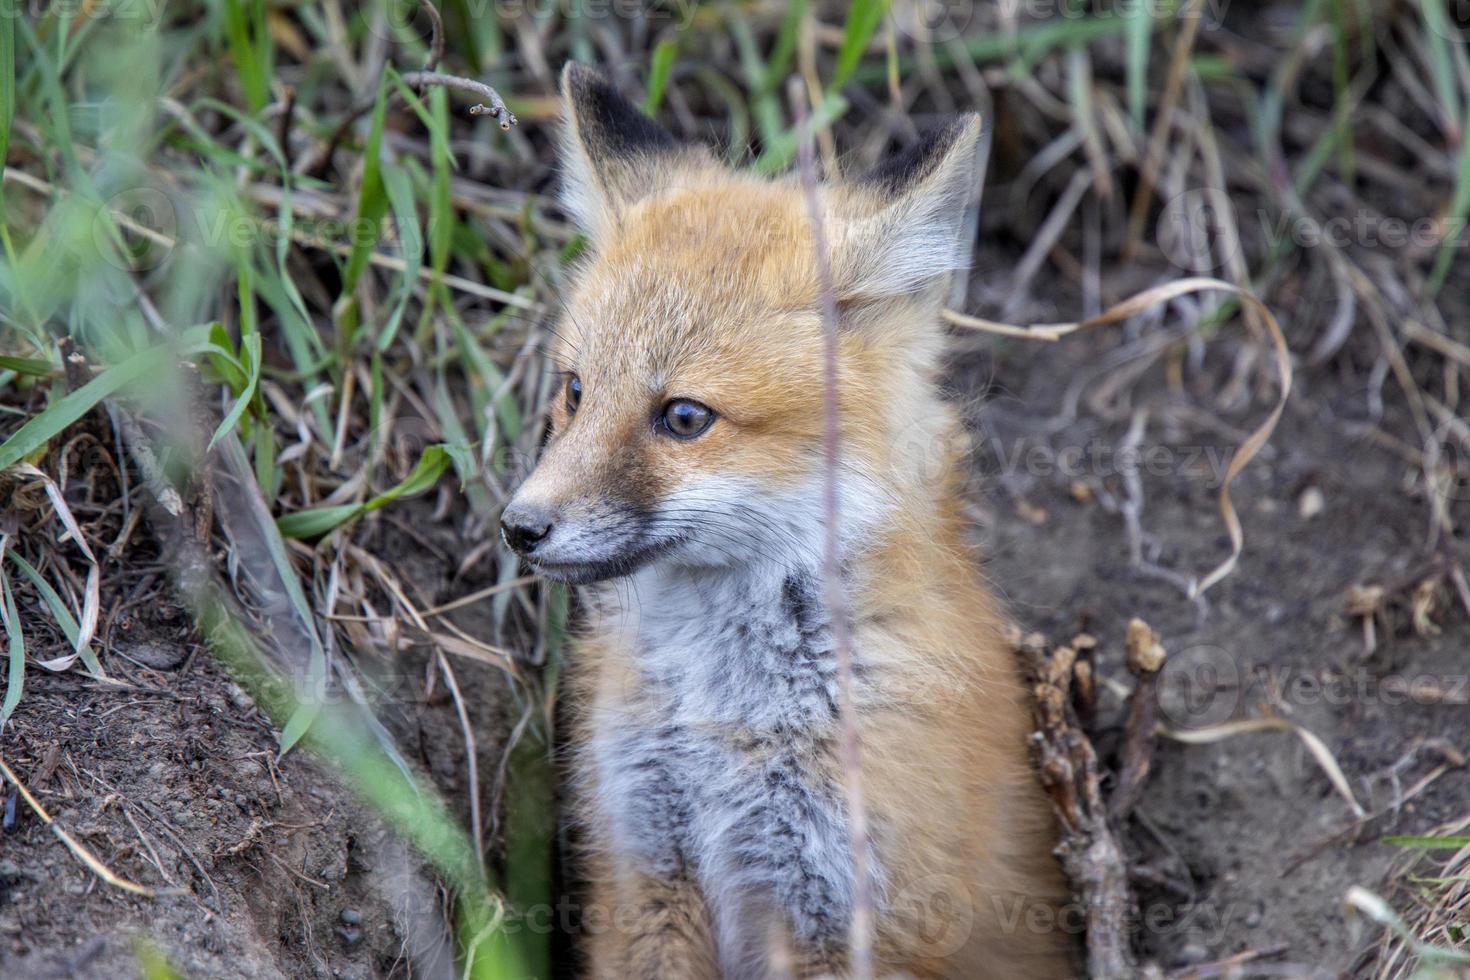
pixel 684 477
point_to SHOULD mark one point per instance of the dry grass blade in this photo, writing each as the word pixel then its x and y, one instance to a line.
pixel 1374 907
pixel 72 844
pixel 379 260
pixel 1246 726
pixel 861 935
pixel 1159 139
pixel 1137 304
pixel 1434 920
pixel 473 597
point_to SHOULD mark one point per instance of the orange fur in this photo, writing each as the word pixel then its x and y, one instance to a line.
pixel 702 284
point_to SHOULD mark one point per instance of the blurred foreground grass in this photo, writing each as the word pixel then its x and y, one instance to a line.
pixel 279 290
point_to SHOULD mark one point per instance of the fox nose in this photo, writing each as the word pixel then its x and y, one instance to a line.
pixel 524 527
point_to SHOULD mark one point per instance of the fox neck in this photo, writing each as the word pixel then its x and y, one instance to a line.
pixel 746 645
pixel 746 649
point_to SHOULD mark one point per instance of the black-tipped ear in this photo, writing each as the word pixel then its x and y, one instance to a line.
pixel 902 171
pixel 609 125
pixel 611 149
pixel 899 227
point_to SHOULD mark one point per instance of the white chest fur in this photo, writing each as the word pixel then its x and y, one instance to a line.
pixel 713 766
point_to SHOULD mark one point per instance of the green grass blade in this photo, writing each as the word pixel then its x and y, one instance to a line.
pixel 1438 31
pixel 764 105
pixel 317 521
pixel 59 611
pixel 372 205
pixel 411 242
pixel 66 410
pixel 780 151
pixel 1429 843
pixel 863 18
pixel 1459 210
pixel 1028 43
pixel 7 90
pixel 15 678
pixel 299 724
pixel 250 347
pixel 426 473
pixel 779 62
pixel 659 68
pixel 250 47
pixel 441 202
pixel 1140 33
pixel 30 366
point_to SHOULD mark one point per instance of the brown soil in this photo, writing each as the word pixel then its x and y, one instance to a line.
pixel 1241 844
pixel 269 868
pixel 273 871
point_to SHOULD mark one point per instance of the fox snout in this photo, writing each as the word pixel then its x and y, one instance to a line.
pixel 523 526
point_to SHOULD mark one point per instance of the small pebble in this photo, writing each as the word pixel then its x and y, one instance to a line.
pixel 1193 953
pixel 159 656
pixel 1310 503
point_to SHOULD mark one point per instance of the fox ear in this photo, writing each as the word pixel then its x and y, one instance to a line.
pixel 610 149
pixel 899 228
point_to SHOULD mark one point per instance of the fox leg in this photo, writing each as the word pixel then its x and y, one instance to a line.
pixel 653 928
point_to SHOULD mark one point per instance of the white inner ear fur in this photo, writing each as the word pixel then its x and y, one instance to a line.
pixel 913 241
pixel 581 197
pixel 585 194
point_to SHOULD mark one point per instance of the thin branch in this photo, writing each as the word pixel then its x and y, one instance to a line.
pixel 491 103
pixel 861 938
pixel 436 39
pixel 496 105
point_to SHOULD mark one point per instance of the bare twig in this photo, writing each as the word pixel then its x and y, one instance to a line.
pixel 1145 657
pixel 436 40
pixel 1090 853
pixel 861 940
pixel 495 107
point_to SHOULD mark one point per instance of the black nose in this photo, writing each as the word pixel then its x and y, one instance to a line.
pixel 524 527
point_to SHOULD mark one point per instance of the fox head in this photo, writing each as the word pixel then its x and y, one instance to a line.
pixel 688 428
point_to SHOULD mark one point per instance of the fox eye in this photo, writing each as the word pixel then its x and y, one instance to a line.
pixel 685 419
pixel 574 393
